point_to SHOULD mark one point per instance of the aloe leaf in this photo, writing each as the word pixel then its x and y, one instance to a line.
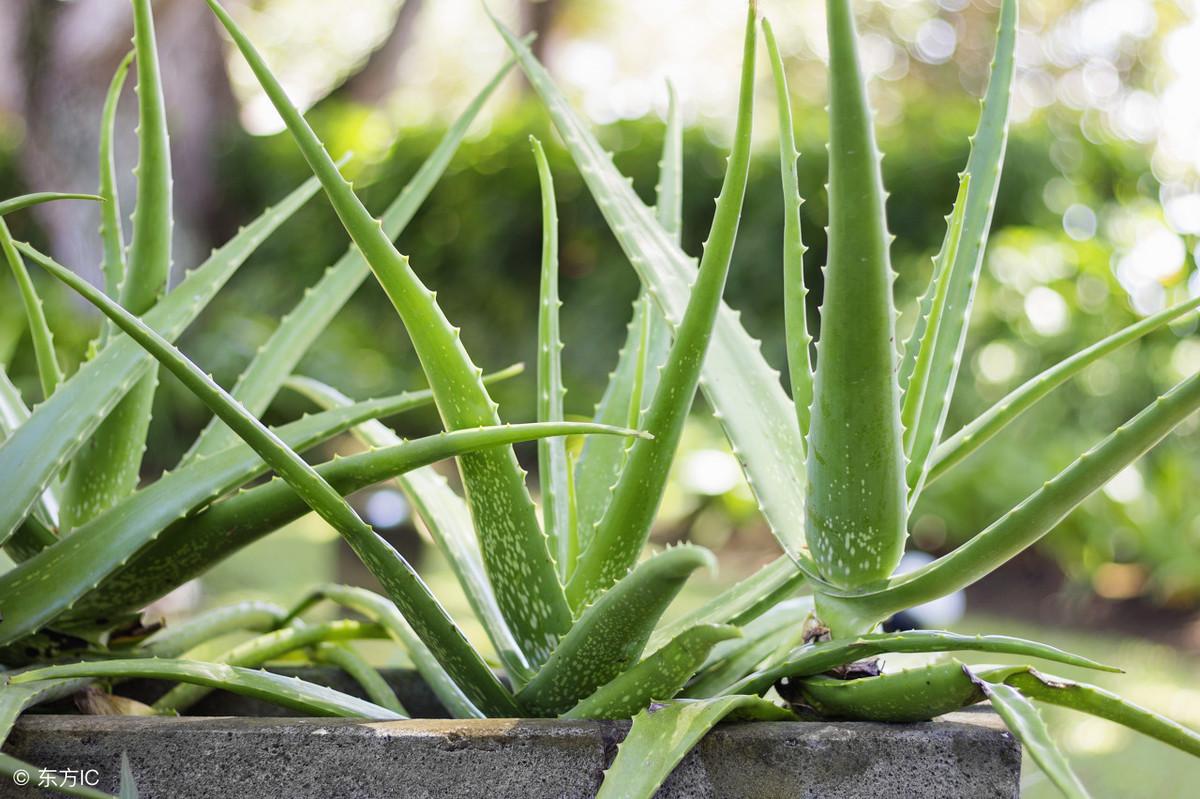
pixel 128 787
pixel 743 389
pixel 816 658
pixel 448 521
pixel 265 648
pixel 623 530
pixel 1022 526
pixel 36 452
pixel 910 695
pixel 191 545
pixel 658 677
pixel 983 165
pixel 358 669
pixel 108 466
pixel 980 430
pixel 663 734
pixel 111 234
pixel 402 583
pixel 48 584
pixel 918 382
pixel 514 548
pixel 857 501
pixel 382 611
pixel 278 357
pixel 290 692
pixel 634 380
pixel 49 371
pixel 1024 722
pixel 610 634
pixel 739 603
pixel 178 639
pixel 1103 704
pixel 13 414
pixel 552 453
pixel 795 293
pixel 781 628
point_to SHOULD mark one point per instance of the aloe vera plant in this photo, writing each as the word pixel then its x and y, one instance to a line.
pixel 574 612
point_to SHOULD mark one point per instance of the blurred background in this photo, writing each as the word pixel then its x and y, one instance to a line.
pixel 1097 224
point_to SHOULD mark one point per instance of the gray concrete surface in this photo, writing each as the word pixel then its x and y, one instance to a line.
pixel 962 755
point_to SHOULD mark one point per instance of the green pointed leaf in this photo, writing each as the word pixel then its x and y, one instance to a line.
pixel 358 669
pixel 111 234
pixel 51 582
pixel 514 547
pixel 265 648
pixel 739 603
pixel 662 734
pixel 277 358
pixel 128 788
pixel 795 293
pixel 49 371
pixel 448 521
pixel 983 165
pixel 108 466
pixel 383 612
pixel 402 583
pixel 1024 722
pixel 1025 524
pixel 290 692
pixel 13 414
pixel 817 658
pixel 918 383
pixel 190 546
pixel 552 453
pixel 36 452
pixel 37 198
pixel 610 634
pixel 900 697
pixel 780 628
pixel 857 500
pixel 743 389
pixel 178 639
pixel 618 540
pixel 658 677
pixel 977 432
pixel 648 338
pixel 1102 704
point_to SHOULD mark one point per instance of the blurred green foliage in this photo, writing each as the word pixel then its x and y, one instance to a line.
pixel 476 241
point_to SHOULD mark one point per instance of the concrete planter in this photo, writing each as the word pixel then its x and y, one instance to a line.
pixel 962 755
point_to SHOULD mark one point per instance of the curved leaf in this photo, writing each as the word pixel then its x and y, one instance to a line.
pixel 658 677
pixel 662 734
pixel 610 634
pixel 108 466
pixel 289 692
pixel 297 330
pixel 111 234
pixel 514 548
pixel 178 639
pixel 743 389
pixel 265 648
pixel 358 669
pixel 35 453
pixel 816 658
pixel 1024 722
pixel 978 431
pixel 448 521
pixel 984 165
pixel 618 540
pixel 795 293
pixel 402 583
pixel 383 612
